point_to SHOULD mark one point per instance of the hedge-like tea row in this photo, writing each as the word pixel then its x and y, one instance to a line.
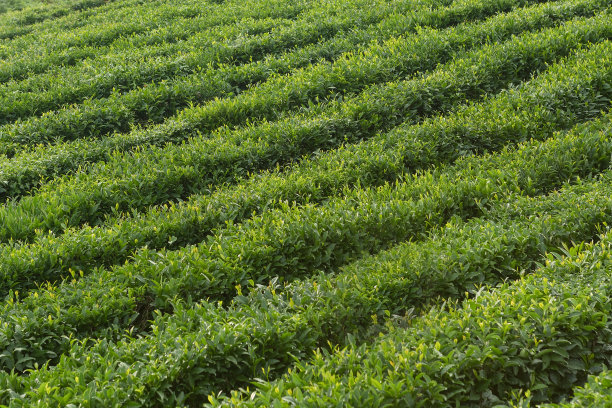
pixel 102 40
pixel 15 24
pixel 88 62
pixel 380 62
pixel 82 14
pixel 39 13
pixel 27 21
pixel 12 7
pixel 270 277
pixel 56 91
pixel 111 22
pixel 595 393
pixel 132 68
pixel 544 333
pixel 13 32
pixel 165 52
pixel 120 73
pixel 136 181
pixel 289 243
pixel 127 25
pixel 154 102
pixel 206 349
pixel 92 79
pixel 554 101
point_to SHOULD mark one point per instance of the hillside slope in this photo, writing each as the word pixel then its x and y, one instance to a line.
pixel 305 203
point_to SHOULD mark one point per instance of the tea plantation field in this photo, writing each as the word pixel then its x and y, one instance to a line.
pixel 306 203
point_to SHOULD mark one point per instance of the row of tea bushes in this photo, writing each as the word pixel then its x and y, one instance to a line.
pixel 99 26
pixel 157 175
pixel 390 60
pixel 127 69
pixel 543 333
pixel 133 67
pixel 25 21
pixel 294 242
pixel 201 350
pixel 558 99
pixel 132 24
pixel 28 12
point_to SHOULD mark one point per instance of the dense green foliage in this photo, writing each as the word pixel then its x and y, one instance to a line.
pixel 540 334
pixel 35 14
pixel 305 203
pixel 596 393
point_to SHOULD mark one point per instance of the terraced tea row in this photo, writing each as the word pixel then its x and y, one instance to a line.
pixel 46 92
pixel 97 118
pixel 130 68
pixel 556 100
pixel 26 20
pixel 105 37
pixel 311 203
pixel 392 59
pixel 541 334
pixel 120 20
pixel 136 181
pixel 197 352
pixel 37 13
pixel 15 6
pixel 88 28
pixel 293 242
